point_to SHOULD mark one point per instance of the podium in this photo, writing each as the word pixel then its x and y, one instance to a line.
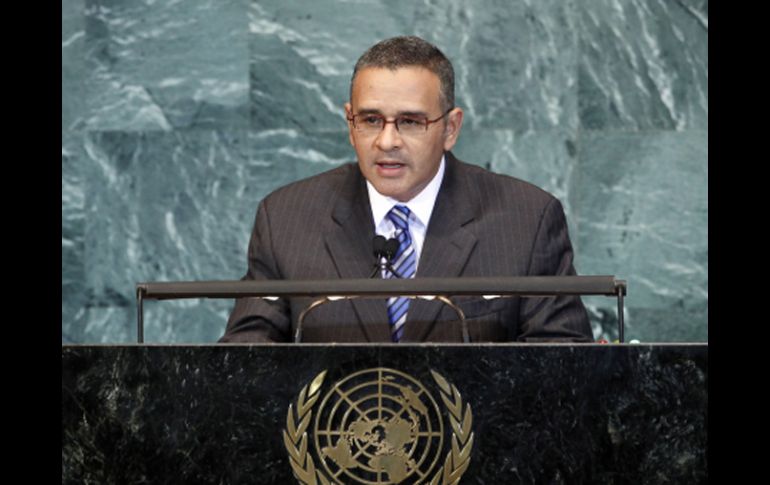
pixel 488 413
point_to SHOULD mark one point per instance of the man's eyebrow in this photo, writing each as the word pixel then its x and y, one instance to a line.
pixel 413 113
pixel 370 111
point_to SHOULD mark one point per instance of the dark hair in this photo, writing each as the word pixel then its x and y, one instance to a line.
pixel 407 51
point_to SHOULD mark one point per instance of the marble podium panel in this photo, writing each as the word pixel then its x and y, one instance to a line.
pixel 542 413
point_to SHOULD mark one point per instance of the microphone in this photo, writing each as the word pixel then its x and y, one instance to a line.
pixel 378 245
pixel 384 248
pixel 391 248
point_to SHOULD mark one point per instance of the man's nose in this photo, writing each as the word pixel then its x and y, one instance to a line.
pixel 389 138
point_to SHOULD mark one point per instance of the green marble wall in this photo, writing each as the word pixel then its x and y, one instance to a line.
pixel 179 116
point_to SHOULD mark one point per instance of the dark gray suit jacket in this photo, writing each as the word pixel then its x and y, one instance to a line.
pixel 483 224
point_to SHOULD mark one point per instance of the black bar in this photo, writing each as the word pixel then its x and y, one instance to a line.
pixel 512 286
pixel 139 315
pixel 621 322
pixel 377 288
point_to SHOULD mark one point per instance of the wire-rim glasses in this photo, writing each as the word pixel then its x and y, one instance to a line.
pixel 406 124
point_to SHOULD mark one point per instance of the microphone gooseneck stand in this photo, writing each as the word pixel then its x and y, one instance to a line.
pixel 384 251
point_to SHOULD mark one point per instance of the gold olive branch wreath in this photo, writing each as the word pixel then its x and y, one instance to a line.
pixel 295 436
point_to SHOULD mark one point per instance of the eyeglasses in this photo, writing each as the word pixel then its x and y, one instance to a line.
pixel 373 123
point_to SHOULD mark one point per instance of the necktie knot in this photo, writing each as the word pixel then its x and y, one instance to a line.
pixel 399 216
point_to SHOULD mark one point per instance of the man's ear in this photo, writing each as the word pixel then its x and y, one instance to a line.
pixel 348 114
pixel 452 128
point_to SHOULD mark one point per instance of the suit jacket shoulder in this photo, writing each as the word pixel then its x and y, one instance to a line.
pixel 318 191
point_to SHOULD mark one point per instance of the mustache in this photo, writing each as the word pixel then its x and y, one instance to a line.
pixel 391 160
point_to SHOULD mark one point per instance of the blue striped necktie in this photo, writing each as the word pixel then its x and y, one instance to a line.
pixel 404 264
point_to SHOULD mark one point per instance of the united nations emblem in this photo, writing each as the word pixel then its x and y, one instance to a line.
pixel 378 426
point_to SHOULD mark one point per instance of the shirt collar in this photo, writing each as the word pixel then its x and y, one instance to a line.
pixel 421 205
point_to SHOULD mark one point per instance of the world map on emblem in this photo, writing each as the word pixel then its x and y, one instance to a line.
pixel 379 426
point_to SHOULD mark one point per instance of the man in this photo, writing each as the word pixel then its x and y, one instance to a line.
pixel 451 220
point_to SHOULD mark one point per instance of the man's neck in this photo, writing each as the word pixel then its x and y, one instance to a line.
pixel 421 205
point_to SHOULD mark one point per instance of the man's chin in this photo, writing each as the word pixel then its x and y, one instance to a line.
pixel 391 190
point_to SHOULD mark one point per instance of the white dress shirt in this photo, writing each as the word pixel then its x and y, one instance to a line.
pixel 420 207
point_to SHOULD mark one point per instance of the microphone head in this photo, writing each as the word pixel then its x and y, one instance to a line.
pixel 378 244
pixel 391 248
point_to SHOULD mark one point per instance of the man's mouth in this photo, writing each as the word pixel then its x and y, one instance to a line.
pixel 389 164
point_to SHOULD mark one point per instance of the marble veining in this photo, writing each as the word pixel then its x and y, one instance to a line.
pixel 628 57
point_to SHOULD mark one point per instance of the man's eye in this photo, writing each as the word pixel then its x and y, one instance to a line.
pixel 409 122
pixel 372 120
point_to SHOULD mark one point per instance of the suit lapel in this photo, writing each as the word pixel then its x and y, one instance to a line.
pixel 350 246
pixel 448 245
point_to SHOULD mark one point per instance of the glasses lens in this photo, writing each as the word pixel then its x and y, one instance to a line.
pixel 369 123
pixel 410 124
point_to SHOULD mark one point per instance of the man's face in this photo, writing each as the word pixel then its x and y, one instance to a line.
pixel 401 165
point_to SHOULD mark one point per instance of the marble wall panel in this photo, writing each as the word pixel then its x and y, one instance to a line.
pixel 166 65
pixel 644 218
pixel 178 117
pixel 515 63
pixel 156 206
pixel 643 64
pixel 170 206
pixel 72 183
pixel 73 268
pixel 73 72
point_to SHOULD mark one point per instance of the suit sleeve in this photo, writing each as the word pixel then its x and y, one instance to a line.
pixel 554 319
pixel 257 319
